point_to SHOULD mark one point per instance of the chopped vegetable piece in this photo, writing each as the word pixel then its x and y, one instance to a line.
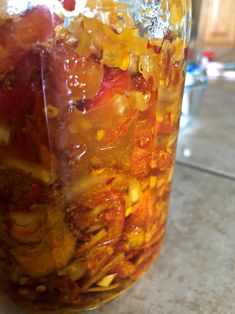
pixel 115 260
pixel 86 184
pixel 36 171
pixel 134 191
pixel 102 289
pixel 41 289
pixel 106 281
pixel 94 240
pixel 76 270
pixel 4 135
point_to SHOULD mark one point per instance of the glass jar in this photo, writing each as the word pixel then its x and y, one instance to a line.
pixel 90 100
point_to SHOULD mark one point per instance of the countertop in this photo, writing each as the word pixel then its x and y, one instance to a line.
pixel 195 273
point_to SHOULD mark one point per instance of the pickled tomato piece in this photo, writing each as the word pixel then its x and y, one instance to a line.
pixel 16 37
pixel 18 87
pixel 115 81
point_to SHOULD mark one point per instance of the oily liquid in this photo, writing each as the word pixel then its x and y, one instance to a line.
pixel 87 144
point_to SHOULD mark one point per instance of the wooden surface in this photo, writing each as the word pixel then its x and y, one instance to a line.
pixel 217 22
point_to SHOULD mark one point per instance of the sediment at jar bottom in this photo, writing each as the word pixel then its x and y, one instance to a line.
pixel 89 117
pixel 91 300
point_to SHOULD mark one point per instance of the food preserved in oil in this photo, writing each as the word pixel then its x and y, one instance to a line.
pixel 90 102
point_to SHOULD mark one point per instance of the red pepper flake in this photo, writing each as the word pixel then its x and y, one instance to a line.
pixel 33 195
pixel 149 45
pixel 169 36
pixel 157 49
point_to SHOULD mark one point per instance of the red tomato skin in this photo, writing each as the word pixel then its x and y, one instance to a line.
pixel 17 38
pixel 13 104
pixel 19 87
pixel 115 81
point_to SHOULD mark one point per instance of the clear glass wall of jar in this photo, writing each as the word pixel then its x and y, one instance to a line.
pixel 90 101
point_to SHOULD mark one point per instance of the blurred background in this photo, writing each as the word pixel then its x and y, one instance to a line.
pixel 201 230
pixel 208 112
pixel 196 5
pixel 214 21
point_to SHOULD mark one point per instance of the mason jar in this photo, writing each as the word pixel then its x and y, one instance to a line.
pixel 90 102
